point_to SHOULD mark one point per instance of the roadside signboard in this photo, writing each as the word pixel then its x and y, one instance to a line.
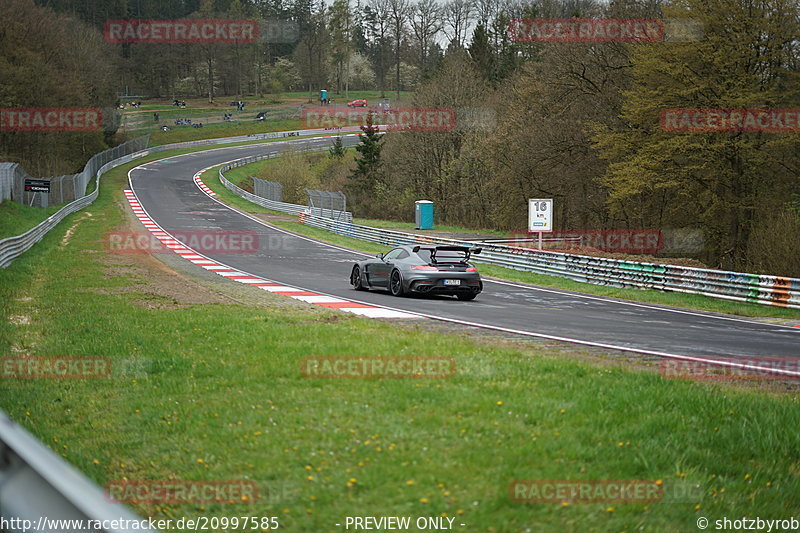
pixel 32 185
pixel 540 216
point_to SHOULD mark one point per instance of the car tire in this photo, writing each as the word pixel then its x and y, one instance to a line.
pixel 466 296
pixel 355 279
pixel 396 283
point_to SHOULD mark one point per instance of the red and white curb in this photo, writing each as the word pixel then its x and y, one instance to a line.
pixel 187 253
pixel 199 183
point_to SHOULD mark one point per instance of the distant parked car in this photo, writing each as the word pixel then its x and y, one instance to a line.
pixel 357 103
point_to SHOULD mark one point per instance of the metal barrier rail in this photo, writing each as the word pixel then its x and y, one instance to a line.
pixel 36 484
pixel 736 286
pixel 283 207
pixel 13 247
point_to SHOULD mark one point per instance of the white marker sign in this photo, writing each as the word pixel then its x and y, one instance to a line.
pixel 540 215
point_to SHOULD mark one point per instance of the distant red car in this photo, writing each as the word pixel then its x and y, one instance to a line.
pixel 357 103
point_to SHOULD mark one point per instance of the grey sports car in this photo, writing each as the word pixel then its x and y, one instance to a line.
pixel 420 269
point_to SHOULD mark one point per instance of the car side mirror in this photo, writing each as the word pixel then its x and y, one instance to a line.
pixel 379 255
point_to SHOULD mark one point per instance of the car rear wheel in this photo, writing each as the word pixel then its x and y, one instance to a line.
pixel 466 295
pixel 396 284
pixel 355 279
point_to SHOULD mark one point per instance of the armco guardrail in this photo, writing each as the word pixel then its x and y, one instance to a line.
pixel 13 247
pixel 737 286
pixel 39 490
pixel 283 207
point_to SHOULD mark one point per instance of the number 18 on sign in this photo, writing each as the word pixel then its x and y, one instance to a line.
pixel 540 216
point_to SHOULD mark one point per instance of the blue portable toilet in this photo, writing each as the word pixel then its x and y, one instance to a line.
pixel 323 95
pixel 424 214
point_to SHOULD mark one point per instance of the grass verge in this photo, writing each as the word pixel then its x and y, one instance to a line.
pixel 214 392
pixel 16 218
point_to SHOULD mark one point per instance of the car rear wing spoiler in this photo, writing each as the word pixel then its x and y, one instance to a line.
pixel 466 250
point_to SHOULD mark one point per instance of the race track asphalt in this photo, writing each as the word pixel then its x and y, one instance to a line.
pixel 167 192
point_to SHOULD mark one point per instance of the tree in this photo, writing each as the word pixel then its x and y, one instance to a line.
pixel 481 53
pixel 337 148
pixel 721 181
pixel 399 11
pixel 360 73
pixel 341 28
pixel 367 178
pixel 425 23
pixel 457 17
pixel 486 11
pixel 208 50
pixel 378 24
pixel 431 164
pixel 51 60
pixel 310 52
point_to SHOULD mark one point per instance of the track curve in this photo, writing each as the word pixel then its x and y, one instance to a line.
pixel 166 190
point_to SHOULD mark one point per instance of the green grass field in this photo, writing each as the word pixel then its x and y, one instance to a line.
pixel 213 392
pixel 200 110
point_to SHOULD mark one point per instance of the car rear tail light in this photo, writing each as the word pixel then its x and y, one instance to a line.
pixel 472 269
pixel 423 267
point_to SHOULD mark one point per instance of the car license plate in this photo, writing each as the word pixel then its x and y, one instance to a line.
pixel 452 282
